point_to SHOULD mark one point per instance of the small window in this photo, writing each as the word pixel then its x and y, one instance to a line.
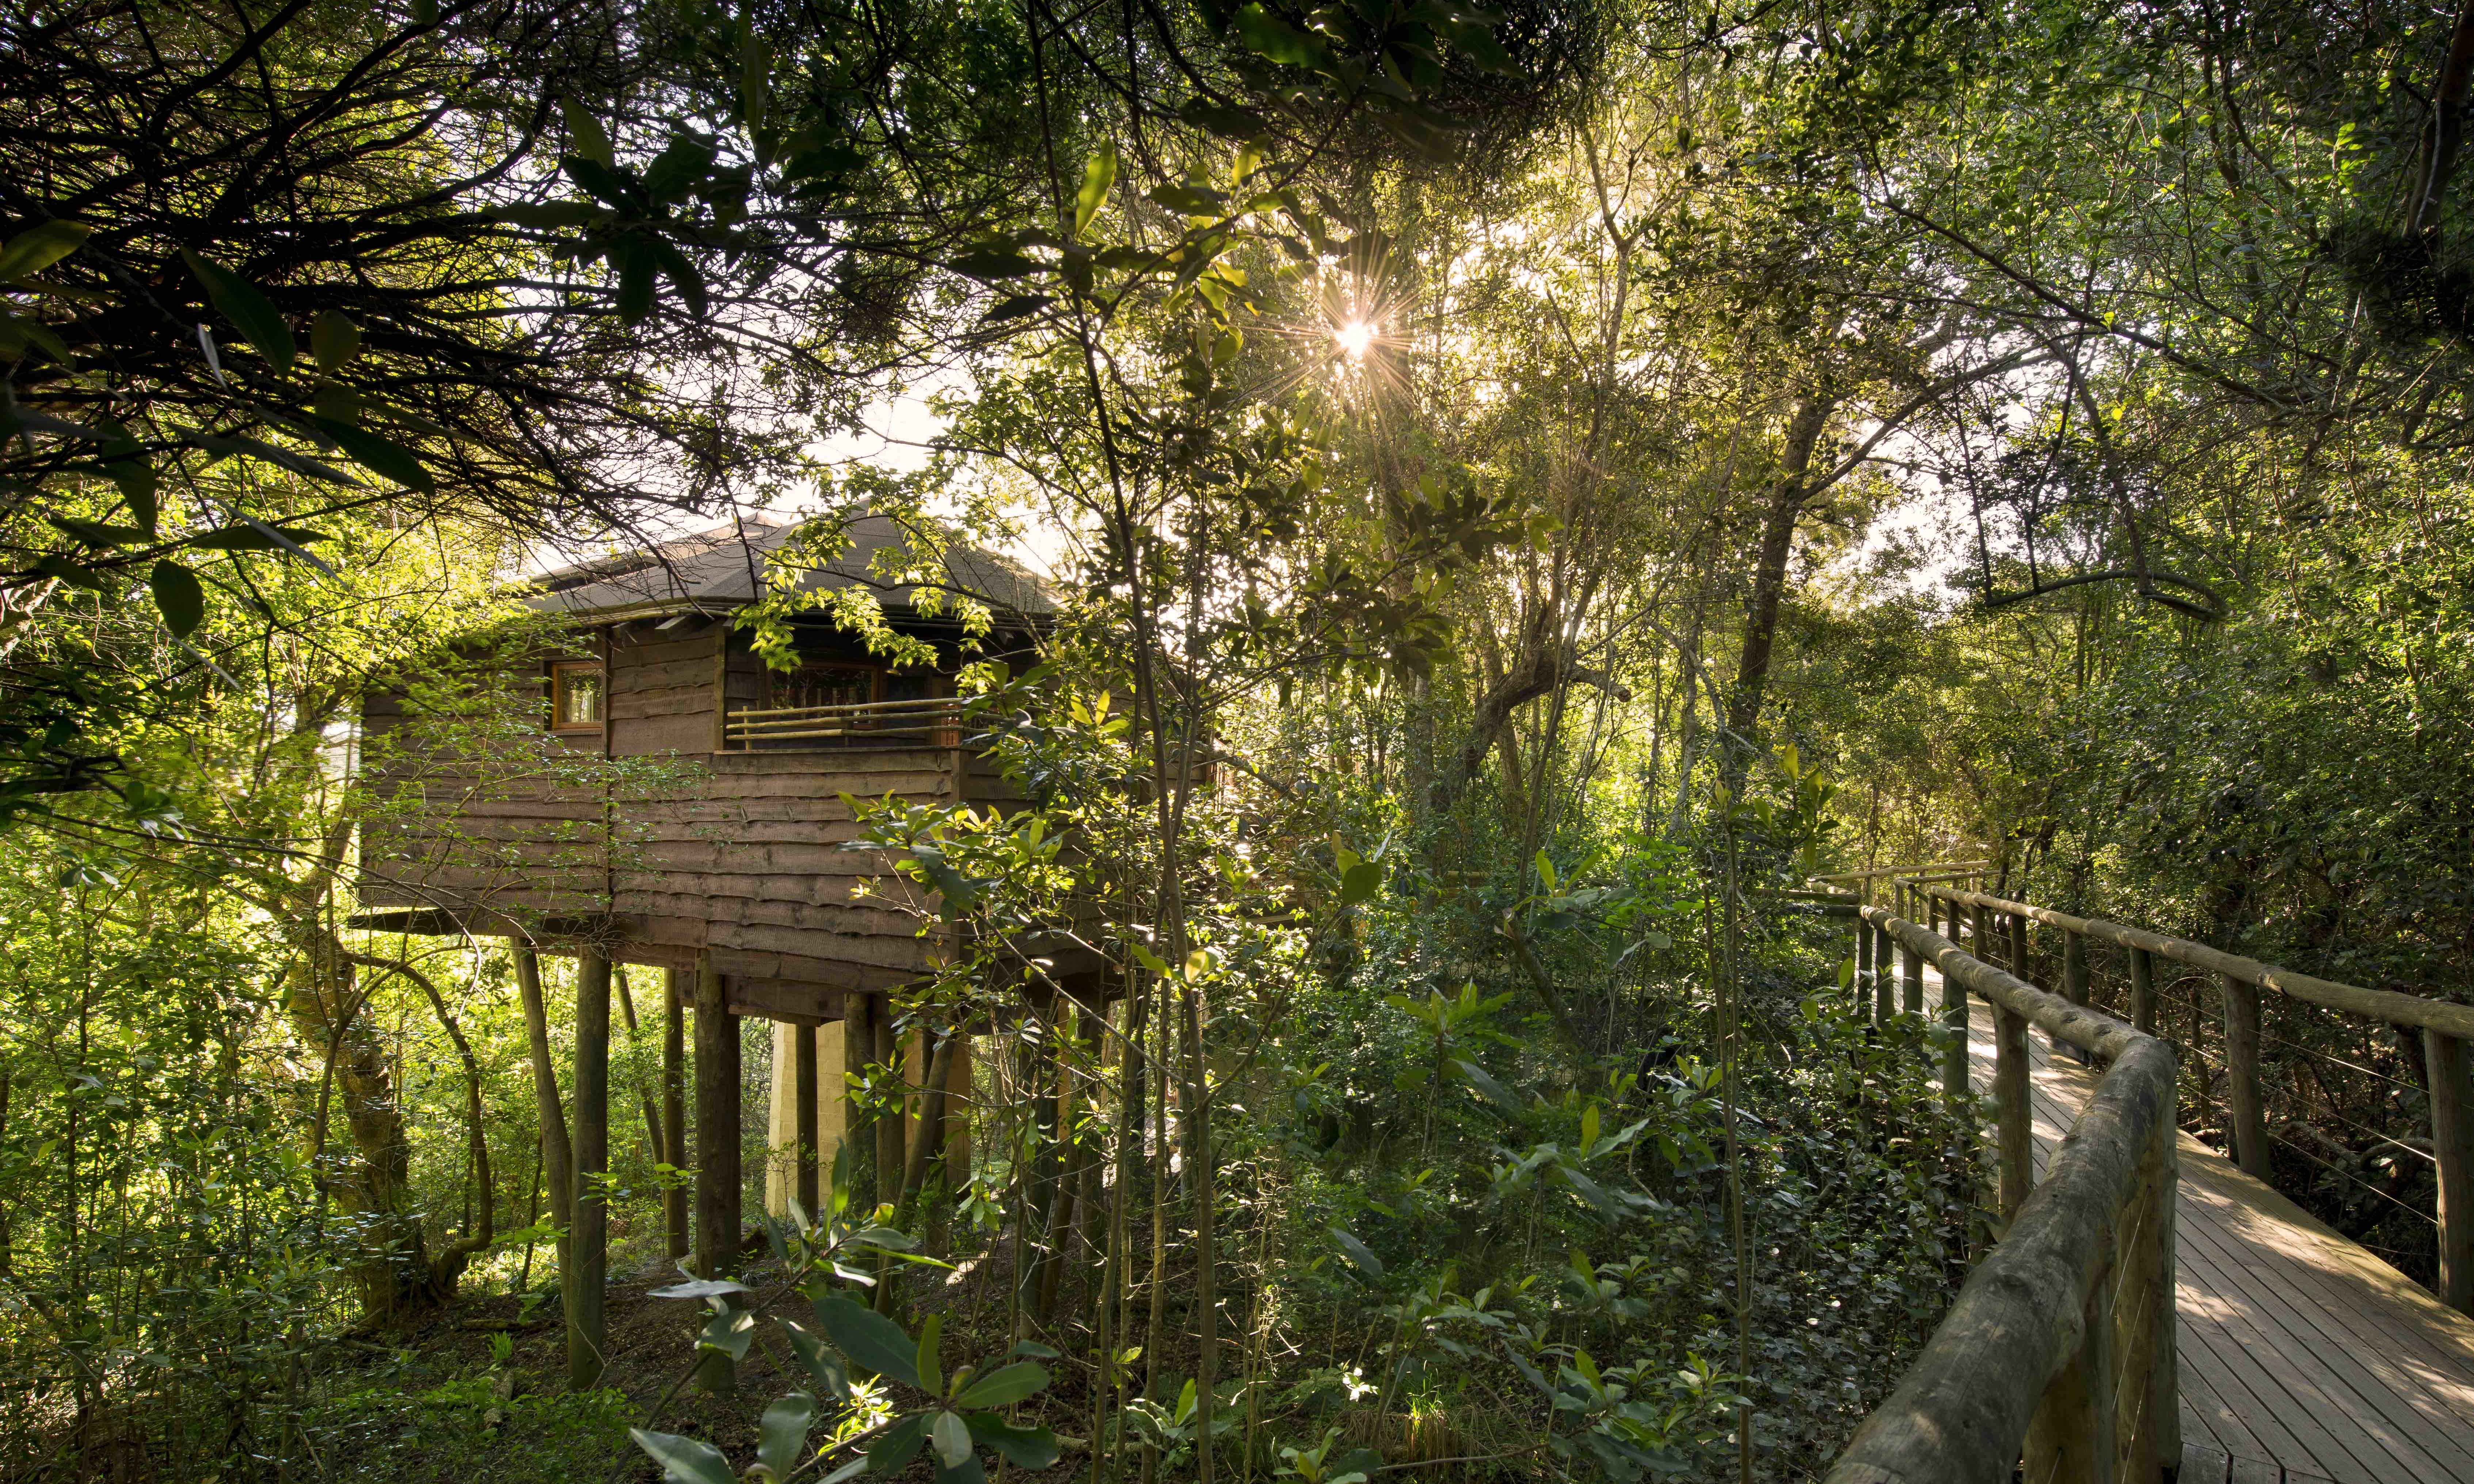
pixel 575 697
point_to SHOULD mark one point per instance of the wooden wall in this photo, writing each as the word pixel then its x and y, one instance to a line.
pixel 682 849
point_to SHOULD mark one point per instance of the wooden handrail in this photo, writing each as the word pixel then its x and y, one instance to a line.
pixel 2389 1005
pixel 2059 1351
pixel 938 717
pixel 2446 1030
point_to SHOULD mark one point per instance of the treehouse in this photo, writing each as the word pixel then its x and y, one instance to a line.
pixel 643 789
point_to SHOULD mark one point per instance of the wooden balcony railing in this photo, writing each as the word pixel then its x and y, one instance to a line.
pixel 936 722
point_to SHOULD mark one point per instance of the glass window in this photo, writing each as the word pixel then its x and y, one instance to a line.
pixel 575 697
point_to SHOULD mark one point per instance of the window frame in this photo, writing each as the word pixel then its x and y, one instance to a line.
pixel 559 671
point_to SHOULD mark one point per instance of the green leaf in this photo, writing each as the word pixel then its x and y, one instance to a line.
pixel 1024 1448
pixel 784 1432
pixel 1013 306
pixel 251 537
pixel 1098 176
pixel 1275 39
pixel 549 215
pixel 967 1471
pixel 98 533
pixel 62 569
pixel 40 246
pixel 1360 882
pixel 333 341
pixel 730 1331
pixel 1589 1129
pixel 899 1444
pixel 821 1364
pixel 1486 1086
pixel 136 477
pixel 685 1460
pixel 988 264
pixel 1545 870
pixel 700 1288
pixel 281 458
pixel 869 1339
pixel 249 311
pixel 585 131
pixel 179 597
pixel 1004 1387
pixel 932 1376
pixel 1359 1254
pixel 951 1437
pixel 17 331
pixel 380 456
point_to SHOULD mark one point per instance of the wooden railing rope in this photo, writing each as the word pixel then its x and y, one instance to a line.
pixel 2056 1362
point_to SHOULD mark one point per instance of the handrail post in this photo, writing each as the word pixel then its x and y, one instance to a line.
pixel 2074 1433
pixel 2018 965
pixel 1881 981
pixel 2163 1426
pixel 2242 1075
pixel 2143 991
pixel 1863 982
pixel 2452 1142
pixel 1911 979
pixel 2074 977
pixel 1953 1015
pixel 2015 1128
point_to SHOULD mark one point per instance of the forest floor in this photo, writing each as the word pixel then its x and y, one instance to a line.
pixel 429 1405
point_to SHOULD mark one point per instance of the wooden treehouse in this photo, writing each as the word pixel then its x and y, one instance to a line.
pixel 646 790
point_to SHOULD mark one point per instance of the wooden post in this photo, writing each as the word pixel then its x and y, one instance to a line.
pixel 1882 983
pixel 679 984
pixel 2074 977
pixel 2242 1075
pixel 890 1160
pixel 803 1040
pixel 1979 939
pixel 2143 991
pixel 859 1047
pixel 718 1133
pixel 2164 1420
pixel 1864 983
pixel 2071 1438
pixel 1953 1015
pixel 2015 1128
pixel 588 1246
pixel 2452 1141
pixel 1911 979
pixel 2018 965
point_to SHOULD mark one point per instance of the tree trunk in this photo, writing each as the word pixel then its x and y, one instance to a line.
pixel 392 1272
pixel 558 1156
pixel 680 985
pixel 590 1244
pixel 717 1136
pixel 1788 494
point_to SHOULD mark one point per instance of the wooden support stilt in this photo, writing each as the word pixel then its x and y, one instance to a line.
pixel 589 1244
pixel 717 1136
pixel 678 990
pixel 803 1040
pixel 858 1048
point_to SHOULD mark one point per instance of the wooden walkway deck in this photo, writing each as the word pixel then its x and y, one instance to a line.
pixel 2304 1359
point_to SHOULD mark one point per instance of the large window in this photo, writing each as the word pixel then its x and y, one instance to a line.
pixel 575 696
pixel 821 685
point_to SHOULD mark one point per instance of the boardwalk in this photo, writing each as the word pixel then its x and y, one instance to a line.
pixel 2303 1357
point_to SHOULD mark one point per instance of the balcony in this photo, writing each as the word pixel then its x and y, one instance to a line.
pixel 936 722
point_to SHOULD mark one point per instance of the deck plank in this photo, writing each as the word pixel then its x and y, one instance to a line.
pixel 2304 1357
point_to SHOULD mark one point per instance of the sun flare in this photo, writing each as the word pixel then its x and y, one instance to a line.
pixel 1354 338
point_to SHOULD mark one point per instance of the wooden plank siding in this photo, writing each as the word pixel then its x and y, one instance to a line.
pixel 741 856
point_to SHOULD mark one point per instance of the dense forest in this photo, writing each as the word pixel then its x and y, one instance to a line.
pixel 1520 491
